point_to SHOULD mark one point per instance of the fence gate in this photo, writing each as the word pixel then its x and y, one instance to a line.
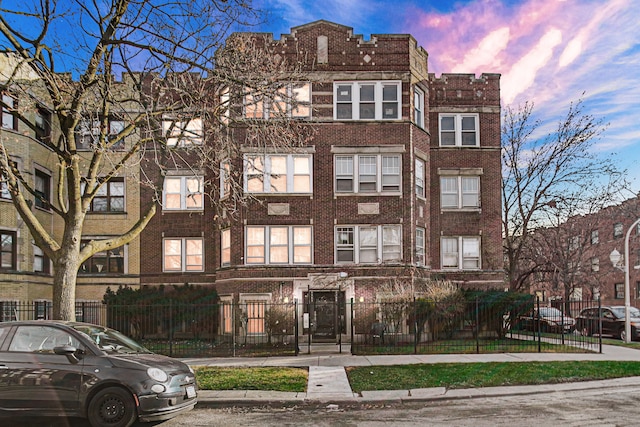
pixel 326 310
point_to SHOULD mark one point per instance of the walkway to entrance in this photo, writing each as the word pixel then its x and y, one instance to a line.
pixel 319 349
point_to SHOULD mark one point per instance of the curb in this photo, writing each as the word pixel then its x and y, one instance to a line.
pixel 257 398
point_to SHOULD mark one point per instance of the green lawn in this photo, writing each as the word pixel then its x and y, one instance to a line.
pixel 469 375
pixel 404 377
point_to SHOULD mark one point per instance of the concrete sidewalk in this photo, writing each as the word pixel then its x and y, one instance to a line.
pixel 328 383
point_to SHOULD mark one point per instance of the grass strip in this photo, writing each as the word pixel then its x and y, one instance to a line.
pixel 469 375
pixel 267 378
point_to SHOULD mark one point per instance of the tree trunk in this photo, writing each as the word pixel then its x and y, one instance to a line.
pixel 65 272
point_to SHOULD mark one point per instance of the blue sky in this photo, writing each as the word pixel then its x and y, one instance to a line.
pixel 549 52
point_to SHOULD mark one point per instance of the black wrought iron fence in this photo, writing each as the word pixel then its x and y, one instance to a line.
pixel 494 324
pixel 256 328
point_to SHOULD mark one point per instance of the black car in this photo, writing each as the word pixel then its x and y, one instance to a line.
pixel 550 319
pixel 56 368
pixel 613 321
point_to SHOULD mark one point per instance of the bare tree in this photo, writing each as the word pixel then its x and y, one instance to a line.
pixel 547 179
pixel 170 103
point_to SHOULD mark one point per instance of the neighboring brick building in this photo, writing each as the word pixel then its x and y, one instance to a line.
pixel 25 272
pixel 586 243
pixel 401 180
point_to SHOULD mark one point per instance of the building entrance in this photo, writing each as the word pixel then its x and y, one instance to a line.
pixel 326 310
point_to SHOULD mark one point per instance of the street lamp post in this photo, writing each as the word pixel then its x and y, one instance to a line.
pixel 615 260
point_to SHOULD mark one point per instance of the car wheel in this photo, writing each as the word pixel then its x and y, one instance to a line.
pixel 112 407
pixel 623 335
pixel 585 332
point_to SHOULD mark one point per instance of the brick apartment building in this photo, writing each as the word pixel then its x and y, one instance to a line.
pixel 401 181
pixel 585 245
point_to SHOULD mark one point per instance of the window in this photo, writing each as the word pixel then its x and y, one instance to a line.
pixel 40 339
pixel 459 192
pixel 368 244
pixel 360 173
pixel 367 100
pixel 183 193
pixel 107 262
pixel 183 133
pixel 9 119
pixel 8 311
pixel 225 179
pixel 4 189
pixel 42 189
pixel 43 124
pixel 184 254
pixel 8 250
pixel 292 100
pixel 254 312
pixel 617 230
pixel 42 310
pixel 225 247
pixel 89 131
pixel 466 259
pixel 109 197
pixel 420 178
pixel 619 290
pixel 595 264
pixel 574 243
pixel 420 235
pixel 594 237
pixel 278 245
pixel 278 173
pixel 418 107
pixel 40 260
pixel 459 130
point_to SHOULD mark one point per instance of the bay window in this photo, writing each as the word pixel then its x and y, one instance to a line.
pixel 367 173
pixel 368 244
pixel 377 100
pixel 278 244
pixel 278 173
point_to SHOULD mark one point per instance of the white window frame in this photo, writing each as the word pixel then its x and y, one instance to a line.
pixel 181 252
pixel 420 177
pixel 9 120
pixel 298 168
pixel 347 94
pixel 361 176
pixel 456 253
pixel 225 247
pixel 87 133
pixel 368 239
pixel 458 132
pixel 420 245
pixel 293 100
pixel 267 247
pixel 184 193
pixel 183 133
pixel 225 179
pixel 595 238
pixel 418 107
pixel 455 192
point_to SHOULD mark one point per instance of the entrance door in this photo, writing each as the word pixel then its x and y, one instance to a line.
pixel 327 311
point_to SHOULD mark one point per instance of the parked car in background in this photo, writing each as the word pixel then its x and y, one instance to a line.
pixel 56 368
pixel 613 321
pixel 550 319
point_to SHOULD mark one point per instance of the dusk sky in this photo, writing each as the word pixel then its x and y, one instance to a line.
pixel 549 52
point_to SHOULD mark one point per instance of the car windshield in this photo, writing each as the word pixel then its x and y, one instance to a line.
pixel 110 340
pixel 550 312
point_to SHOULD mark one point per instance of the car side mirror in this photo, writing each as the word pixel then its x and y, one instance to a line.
pixel 70 351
